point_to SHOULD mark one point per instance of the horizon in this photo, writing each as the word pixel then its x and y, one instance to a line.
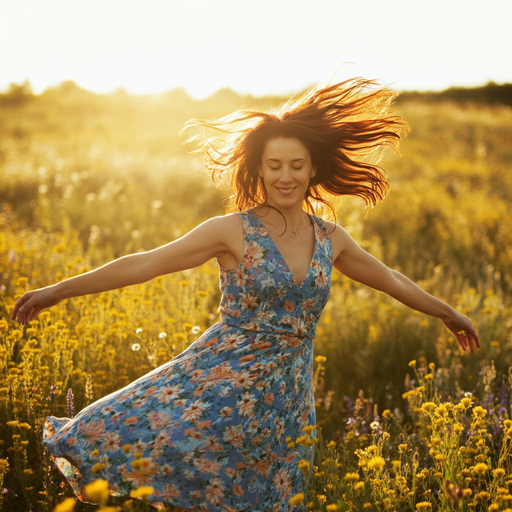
pixel 225 88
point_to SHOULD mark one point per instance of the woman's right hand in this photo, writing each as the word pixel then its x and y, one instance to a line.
pixel 32 303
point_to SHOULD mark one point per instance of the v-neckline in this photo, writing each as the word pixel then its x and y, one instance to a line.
pixel 287 268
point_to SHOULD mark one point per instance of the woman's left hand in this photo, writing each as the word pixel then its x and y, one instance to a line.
pixel 463 331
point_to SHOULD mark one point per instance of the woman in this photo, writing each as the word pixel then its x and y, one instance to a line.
pixel 208 430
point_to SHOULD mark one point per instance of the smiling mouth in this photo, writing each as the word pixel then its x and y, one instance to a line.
pixel 286 191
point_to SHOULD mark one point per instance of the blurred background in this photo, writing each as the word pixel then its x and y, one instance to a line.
pixel 95 94
pixel 92 166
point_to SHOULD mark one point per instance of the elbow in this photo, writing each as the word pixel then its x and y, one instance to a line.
pixel 142 268
pixel 395 286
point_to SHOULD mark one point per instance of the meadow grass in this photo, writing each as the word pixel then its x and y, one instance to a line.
pixel 405 420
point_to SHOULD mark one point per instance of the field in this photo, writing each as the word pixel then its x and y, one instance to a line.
pixel 407 421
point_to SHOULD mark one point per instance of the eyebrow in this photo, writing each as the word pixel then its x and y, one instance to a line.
pixel 277 160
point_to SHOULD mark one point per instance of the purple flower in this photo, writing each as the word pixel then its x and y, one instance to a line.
pixel 69 404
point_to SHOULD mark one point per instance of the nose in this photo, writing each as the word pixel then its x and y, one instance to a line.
pixel 286 176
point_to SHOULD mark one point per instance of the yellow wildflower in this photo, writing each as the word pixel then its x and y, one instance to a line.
pixel 303 464
pixel 483 495
pixel 428 407
pixel 309 429
pixel 98 491
pixel 320 359
pixel 376 463
pixel 493 507
pixel 458 428
pixel 22 281
pixel 142 492
pixel 412 363
pixel 331 508
pixel 466 402
pixel 479 412
pixel 481 468
pixel 424 505
pixel 297 499
pixel 402 447
pixel 467 492
pixel 352 477
pixel 66 506
pixel 331 444
pixel 358 486
pixel 4 464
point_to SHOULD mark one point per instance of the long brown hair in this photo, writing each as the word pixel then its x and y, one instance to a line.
pixel 345 127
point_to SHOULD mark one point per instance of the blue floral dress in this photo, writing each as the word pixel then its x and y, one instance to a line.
pixel 207 430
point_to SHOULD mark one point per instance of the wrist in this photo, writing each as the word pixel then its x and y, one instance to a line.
pixel 447 313
pixel 59 290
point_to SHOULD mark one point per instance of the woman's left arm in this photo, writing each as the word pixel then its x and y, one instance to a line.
pixel 357 264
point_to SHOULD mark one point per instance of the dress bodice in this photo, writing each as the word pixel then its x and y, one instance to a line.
pixel 261 294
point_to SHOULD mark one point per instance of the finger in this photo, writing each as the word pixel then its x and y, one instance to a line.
pixel 17 306
pixel 34 314
pixel 24 312
pixel 474 338
pixel 462 342
pixel 470 341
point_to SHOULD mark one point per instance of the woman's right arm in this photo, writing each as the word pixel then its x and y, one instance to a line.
pixel 214 238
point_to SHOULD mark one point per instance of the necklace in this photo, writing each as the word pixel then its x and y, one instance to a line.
pixel 293 232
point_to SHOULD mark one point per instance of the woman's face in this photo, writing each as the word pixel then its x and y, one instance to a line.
pixel 286 170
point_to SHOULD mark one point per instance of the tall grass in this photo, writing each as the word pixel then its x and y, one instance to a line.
pixel 81 186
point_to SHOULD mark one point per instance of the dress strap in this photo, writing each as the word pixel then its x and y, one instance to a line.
pixel 324 236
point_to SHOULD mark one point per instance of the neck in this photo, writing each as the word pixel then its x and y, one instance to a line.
pixel 294 216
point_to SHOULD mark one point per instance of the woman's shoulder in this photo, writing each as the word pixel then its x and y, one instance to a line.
pixel 230 220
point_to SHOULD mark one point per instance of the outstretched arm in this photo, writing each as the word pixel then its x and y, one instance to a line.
pixel 360 266
pixel 213 238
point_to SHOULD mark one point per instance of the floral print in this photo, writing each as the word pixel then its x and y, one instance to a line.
pixel 207 430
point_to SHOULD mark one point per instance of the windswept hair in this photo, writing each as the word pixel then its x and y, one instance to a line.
pixel 345 126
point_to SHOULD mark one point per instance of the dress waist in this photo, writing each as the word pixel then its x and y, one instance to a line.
pixel 298 328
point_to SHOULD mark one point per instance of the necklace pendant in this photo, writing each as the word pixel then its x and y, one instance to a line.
pixel 293 234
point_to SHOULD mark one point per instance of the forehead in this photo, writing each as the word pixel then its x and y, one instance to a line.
pixel 284 148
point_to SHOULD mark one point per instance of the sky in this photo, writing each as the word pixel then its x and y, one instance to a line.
pixel 253 47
